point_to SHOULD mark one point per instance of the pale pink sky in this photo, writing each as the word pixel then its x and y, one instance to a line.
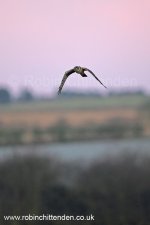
pixel 40 39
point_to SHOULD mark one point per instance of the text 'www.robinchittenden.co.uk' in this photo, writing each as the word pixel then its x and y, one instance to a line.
pixel 48 217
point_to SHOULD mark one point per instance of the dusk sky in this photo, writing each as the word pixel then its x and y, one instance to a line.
pixel 41 39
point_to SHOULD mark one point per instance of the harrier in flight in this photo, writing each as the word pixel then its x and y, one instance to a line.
pixel 77 69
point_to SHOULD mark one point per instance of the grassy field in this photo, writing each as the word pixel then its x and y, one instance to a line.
pixel 103 115
pixel 75 118
pixel 75 111
pixel 82 103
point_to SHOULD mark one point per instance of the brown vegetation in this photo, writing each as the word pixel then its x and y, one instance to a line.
pixel 75 118
pixel 115 190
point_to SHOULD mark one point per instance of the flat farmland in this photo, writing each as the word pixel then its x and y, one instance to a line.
pixel 77 103
pixel 75 111
pixel 75 118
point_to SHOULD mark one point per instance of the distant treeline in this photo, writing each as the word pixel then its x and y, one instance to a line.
pixel 124 92
pixel 26 95
pixel 115 190
pixel 63 132
pixel 6 95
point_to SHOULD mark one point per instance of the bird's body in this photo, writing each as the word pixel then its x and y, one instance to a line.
pixel 80 70
pixel 77 69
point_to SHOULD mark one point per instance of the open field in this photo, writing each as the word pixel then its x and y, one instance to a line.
pixel 82 103
pixel 74 119
pixel 75 111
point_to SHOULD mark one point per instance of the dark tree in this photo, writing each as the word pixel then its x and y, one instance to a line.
pixel 26 95
pixel 5 95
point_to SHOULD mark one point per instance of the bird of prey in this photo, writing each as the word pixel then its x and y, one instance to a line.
pixel 77 69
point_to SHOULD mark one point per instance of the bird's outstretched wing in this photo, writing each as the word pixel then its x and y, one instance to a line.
pixel 67 73
pixel 86 69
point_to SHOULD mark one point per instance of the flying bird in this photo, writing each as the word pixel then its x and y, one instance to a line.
pixel 77 69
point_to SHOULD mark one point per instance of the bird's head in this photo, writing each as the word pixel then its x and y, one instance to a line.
pixel 78 69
